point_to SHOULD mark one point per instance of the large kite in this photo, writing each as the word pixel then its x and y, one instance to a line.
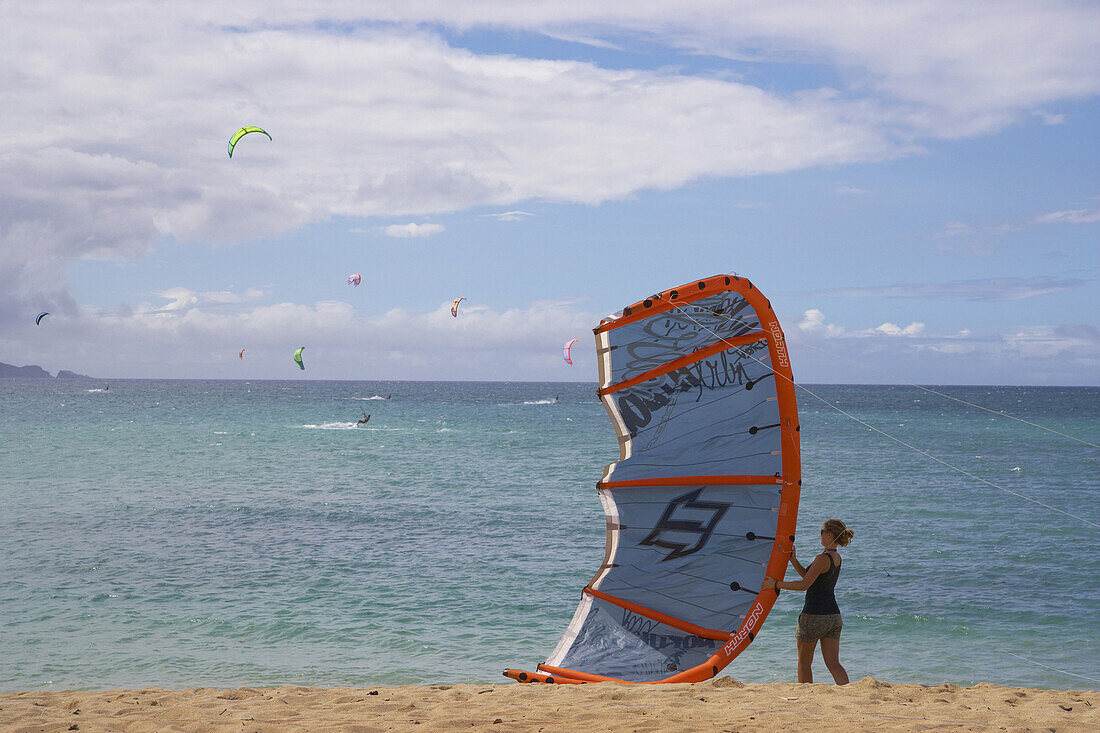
pixel 454 306
pixel 40 316
pixel 298 358
pixel 702 502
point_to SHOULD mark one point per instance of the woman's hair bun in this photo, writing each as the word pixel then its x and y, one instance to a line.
pixel 839 531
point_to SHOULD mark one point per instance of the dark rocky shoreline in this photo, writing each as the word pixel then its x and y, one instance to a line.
pixel 33 371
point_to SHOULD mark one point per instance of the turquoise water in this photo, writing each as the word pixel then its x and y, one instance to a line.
pixel 216 533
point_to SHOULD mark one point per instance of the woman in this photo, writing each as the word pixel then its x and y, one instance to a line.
pixel 820 618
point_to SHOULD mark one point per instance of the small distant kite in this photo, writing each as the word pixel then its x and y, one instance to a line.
pixel 41 315
pixel 567 351
pixel 355 279
pixel 298 358
pixel 241 133
pixel 241 355
pixel 454 306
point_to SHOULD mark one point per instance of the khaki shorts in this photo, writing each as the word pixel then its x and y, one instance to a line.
pixel 812 627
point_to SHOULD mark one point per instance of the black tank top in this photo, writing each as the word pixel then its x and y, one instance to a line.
pixel 820 600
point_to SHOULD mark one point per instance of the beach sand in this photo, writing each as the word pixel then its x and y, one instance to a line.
pixel 719 705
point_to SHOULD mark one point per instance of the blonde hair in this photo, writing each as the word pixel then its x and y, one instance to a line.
pixel 839 531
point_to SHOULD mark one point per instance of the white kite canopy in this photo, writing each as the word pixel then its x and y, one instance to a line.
pixel 703 500
pixel 567 351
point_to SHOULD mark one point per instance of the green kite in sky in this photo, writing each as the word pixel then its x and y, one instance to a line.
pixel 241 133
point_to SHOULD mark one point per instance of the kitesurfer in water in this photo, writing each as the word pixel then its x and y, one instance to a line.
pixel 365 420
pixel 820 619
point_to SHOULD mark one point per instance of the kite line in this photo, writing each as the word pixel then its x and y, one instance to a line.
pixel 888 435
pixel 800 342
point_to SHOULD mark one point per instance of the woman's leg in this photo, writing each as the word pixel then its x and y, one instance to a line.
pixel 830 652
pixel 805 660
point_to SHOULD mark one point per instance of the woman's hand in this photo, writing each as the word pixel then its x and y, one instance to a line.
pixel 768 584
pixel 797 565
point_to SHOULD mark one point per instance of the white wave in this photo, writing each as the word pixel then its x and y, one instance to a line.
pixel 373 397
pixel 445 430
pixel 221 432
pixel 96 389
pixel 540 402
pixel 331 426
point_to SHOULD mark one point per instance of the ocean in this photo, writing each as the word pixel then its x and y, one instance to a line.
pixel 230 533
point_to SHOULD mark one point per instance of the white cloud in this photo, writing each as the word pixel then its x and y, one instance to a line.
pixel 1071 216
pixel 814 323
pixel 891 329
pixel 991 289
pixel 890 354
pixel 971 248
pixel 191 338
pixel 960 229
pixel 228 296
pixel 201 340
pixel 1049 119
pixel 424 128
pixel 1049 341
pixel 222 296
pixel 412 229
pixel 942 68
pixel 960 238
pixel 181 298
pixel 960 343
pixel 953 229
pixel 116 116
pixel 508 216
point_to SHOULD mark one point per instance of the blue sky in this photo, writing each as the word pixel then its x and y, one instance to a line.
pixel 916 187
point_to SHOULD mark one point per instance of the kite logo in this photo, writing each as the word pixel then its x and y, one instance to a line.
pixel 685 536
pixel 746 629
pixel 780 344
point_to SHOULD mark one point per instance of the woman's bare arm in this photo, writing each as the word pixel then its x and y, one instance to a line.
pixel 797 565
pixel 817 567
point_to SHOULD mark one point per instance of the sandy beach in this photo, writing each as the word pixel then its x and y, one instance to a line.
pixel 720 705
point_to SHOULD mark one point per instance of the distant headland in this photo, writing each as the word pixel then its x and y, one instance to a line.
pixel 33 371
